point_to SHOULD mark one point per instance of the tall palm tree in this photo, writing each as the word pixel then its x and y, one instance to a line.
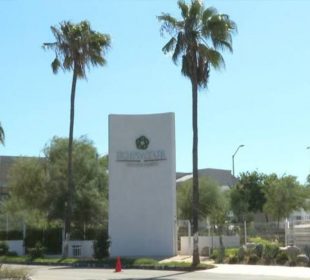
pixel 197 39
pixel 76 47
pixel 2 135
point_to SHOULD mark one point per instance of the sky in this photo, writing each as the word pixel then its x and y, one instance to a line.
pixel 261 99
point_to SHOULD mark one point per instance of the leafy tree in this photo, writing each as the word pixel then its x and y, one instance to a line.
pixel 248 196
pixel 213 203
pixel 76 47
pixel 2 135
pixel 38 186
pixel 27 195
pixel 198 39
pixel 283 196
pixel 208 200
pixel 219 216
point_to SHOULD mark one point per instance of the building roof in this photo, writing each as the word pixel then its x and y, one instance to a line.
pixel 221 176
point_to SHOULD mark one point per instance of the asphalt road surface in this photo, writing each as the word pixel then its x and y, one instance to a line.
pixel 227 272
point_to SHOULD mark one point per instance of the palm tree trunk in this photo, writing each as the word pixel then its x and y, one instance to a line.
pixel 195 202
pixel 68 213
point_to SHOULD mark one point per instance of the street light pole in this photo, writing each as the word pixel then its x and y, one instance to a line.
pixel 233 159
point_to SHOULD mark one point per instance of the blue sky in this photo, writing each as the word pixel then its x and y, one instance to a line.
pixel 261 99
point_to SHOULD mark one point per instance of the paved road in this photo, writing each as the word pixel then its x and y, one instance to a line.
pixel 227 272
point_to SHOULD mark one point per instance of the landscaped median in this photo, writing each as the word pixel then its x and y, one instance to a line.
pixel 127 263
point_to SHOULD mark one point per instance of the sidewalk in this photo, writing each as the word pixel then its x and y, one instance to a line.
pixel 264 270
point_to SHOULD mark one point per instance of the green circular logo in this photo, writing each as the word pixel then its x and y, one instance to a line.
pixel 142 143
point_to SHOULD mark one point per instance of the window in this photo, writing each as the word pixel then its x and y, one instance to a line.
pixel 76 250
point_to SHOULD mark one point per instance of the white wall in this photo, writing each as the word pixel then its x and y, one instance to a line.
pixel 16 246
pixel 208 241
pixel 86 248
pixel 142 202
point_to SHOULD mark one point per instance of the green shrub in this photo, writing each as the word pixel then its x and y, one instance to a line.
pixel 270 253
pixel 215 254
pixel 232 259
pixel 253 259
pixel 241 254
pixel 37 251
pixel 11 254
pixel 4 248
pixel 221 255
pixel 264 242
pixel 258 250
pixel 282 258
pixel 302 260
pixel 101 245
pixel 230 252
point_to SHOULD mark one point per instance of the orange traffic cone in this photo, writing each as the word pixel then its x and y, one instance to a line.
pixel 118 267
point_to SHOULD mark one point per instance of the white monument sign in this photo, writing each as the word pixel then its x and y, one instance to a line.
pixel 142 191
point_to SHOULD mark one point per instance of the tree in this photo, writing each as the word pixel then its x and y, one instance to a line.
pixel 283 196
pixel 2 135
pixel 38 186
pixel 248 196
pixel 198 39
pixel 219 216
pixel 76 47
pixel 209 192
pixel 27 191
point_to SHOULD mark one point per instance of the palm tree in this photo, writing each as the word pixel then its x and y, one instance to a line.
pixel 2 135
pixel 197 39
pixel 77 47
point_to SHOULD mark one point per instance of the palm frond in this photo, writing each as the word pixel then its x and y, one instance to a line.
pixel 77 46
pixel 184 9
pixel 208 13
pixel 180 46
pixel 215 58
pixel 169 46
pixel 198 38
pixel 169 24
pixel 56 65
pixel 219 28
pixel 195 10
pixel 203 70
pixel 2 135
pixel 46 46
pixel 186 67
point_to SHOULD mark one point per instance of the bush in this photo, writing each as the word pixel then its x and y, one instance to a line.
pixel 241 254
pixel 282 258
pixel 253 259
pixel 4 248
pixel 229 252
pixel 232 259
pixel 12 254
pixel 37 251
pixel 302 260
pixel 215 254
pixel 258 250
pixel 221 255
pixel 270 253
pixel 101 245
